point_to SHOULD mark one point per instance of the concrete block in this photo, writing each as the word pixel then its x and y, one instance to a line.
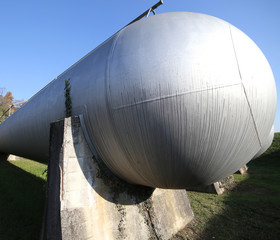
pixel 215 188
pixel 243 170
pixel 13 157
pixel 92 203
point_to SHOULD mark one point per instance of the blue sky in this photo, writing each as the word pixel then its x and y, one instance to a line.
pixel 40 39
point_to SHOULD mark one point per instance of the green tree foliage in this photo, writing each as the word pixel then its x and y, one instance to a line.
pixel 6 101
pixel 68 101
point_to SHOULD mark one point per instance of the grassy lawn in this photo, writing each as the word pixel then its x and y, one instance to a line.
pixel 250 209
pixel 22 196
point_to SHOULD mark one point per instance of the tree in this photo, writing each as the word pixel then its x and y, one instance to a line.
pixel 6 102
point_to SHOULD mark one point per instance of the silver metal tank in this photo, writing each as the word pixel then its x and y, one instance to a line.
pixel 173 100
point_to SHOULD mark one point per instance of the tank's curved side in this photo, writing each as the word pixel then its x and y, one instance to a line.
pixel 173 100
pixel 26 132
pixel 258 83
pixel 266 144
pixel 192 104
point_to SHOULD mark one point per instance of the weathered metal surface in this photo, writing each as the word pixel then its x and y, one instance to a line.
pixel 172 100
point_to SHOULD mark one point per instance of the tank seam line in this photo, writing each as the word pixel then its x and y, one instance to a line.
pixel 108 102
pixel 173 95
pixel 106 80
pixel 243 87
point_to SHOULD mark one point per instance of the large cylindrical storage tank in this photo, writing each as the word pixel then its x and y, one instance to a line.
pixel 173 100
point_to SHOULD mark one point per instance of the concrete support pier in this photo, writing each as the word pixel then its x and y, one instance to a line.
pixel 243 170
pixel 8 157
pixel 215 188
pixel 86 201
pixel 13 157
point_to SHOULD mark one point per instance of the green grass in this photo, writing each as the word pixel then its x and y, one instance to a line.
pixel 22 196
pixel 250 209
pixel 35 168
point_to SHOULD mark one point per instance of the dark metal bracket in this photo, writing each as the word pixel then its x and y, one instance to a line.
pixel 146 13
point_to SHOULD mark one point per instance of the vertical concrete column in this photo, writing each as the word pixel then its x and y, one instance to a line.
pixel 52 224
pixel 86 201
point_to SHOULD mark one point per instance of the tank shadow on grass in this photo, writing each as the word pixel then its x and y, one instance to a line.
pixel 249 210
pixel 22 197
